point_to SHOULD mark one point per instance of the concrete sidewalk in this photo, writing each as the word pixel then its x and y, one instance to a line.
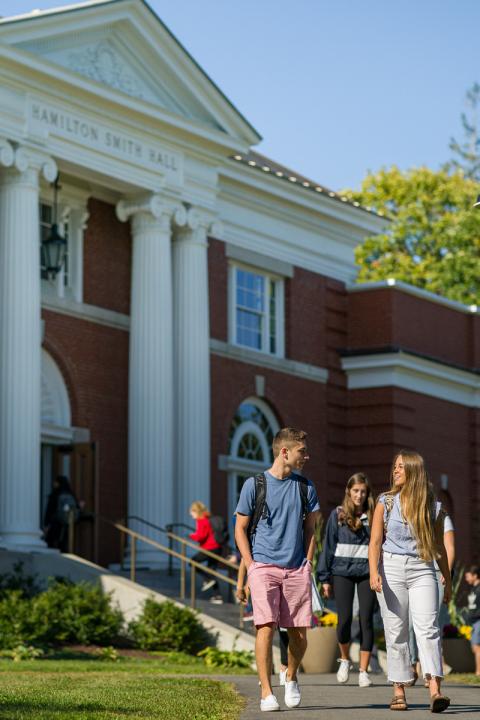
pixel 324 698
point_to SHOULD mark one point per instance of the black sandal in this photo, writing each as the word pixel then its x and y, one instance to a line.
pixel 398 703
pixel 439 703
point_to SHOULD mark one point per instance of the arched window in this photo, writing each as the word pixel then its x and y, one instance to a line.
pixel 250 446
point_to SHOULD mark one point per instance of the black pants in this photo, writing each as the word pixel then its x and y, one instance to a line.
pixel 344 589
pixel 211 562
pixel 283 646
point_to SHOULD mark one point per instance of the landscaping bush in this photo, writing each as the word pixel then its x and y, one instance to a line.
pixel 17 580
pixel 80 613
pixel 65 613
pixel 164 626
pixel 16 624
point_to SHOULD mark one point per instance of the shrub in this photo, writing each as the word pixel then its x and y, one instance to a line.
pixel 165 626
pixel 80 613
pixel 17 580
pixel 16 624
pixel 25 652
pixel 65 613
pixel 214 657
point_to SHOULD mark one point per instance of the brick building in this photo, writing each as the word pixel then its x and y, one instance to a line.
pixel 207 299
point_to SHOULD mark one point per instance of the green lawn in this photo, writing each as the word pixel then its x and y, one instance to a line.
pixel 90 689
pixel 464 678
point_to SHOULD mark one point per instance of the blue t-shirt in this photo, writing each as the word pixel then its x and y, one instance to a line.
pixel 278 539
pixel 399 539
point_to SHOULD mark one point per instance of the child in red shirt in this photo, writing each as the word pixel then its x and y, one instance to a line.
pixel 204 536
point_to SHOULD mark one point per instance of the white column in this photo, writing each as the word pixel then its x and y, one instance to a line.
pixel 192 363
pixel 20 343
pixel 151 476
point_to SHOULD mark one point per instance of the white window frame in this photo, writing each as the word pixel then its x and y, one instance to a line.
pixel 71 210
pixel 279 286
pixel 239 466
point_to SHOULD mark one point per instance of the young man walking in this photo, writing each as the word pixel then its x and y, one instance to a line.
pixel 278 555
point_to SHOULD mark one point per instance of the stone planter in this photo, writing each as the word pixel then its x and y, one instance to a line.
pixel 457 653
pixel 322 650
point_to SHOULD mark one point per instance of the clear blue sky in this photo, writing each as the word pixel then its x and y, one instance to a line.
pixel 334 87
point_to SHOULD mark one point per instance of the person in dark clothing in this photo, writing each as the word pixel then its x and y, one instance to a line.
pixel 343 567
pixel 472 576
pixel 60 503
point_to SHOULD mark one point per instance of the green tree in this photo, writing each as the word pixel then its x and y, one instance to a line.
pixel 432 239
pixel 467 154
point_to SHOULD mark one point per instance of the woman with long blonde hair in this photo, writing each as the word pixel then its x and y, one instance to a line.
pixel 406 539
pixel 343 567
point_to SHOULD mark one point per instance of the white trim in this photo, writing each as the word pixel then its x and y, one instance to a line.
pixel 414 374
pixel 259 359
pixel 240 465
pixel 355 552
pixel 258 260
pixel 251 428
pixel 416 292
pixel 91 313
pixel 55 407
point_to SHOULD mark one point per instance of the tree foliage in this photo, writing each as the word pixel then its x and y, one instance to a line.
pixel 432 239
pixel 467 153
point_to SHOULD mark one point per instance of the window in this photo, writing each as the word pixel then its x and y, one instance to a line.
pixel 256 310
pixel 250 446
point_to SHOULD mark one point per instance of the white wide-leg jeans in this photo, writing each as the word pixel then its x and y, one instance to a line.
pixel 410 583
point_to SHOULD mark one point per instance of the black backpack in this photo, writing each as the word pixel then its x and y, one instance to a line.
pixel 260 510
pixel 66 504
pixel 220 530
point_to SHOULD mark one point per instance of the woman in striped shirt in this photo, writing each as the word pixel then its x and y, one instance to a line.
pixel 343 567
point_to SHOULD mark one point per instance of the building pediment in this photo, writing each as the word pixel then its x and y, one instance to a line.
pixel 123 45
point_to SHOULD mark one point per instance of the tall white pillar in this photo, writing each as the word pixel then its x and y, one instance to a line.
pixel 20 342
pixel 151 475
pixel 192 363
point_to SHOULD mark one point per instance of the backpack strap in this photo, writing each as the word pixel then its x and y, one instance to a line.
pixel 259 505
pixel 303 487
pixel 389 500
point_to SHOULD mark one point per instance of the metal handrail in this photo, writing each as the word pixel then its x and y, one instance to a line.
pixel 182 556
pixel 167 529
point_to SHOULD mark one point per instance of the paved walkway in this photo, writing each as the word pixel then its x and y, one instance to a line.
pixel 325 699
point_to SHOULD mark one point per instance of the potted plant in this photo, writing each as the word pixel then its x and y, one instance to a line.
pixel 322 645
pixel 457 652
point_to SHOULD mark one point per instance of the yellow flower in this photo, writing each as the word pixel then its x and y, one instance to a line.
pixel 330 619
pixel 465 631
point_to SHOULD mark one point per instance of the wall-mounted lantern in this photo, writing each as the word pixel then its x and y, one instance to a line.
pixel 54 246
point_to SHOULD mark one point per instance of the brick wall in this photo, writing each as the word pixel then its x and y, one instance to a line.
pixel 107 259
pixel 94 362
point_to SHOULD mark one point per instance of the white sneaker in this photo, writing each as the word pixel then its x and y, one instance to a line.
pixel 282 675
pixel 343 671
pixel 207 584
pixel 269 704
pixel 364 679
pixel 217 600
pixel 292 693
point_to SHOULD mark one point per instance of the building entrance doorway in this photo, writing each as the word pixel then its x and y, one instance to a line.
pixel 62 454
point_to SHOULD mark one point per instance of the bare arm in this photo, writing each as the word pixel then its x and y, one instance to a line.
pixel 449 542
pixel 241 538
pixel 374 548
pixel 241 587
pixel 309 534
pixel 442 559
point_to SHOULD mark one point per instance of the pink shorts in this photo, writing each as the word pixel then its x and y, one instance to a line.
pixel 281 595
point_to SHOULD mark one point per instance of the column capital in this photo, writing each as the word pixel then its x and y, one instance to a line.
pixel 155 205
pixel 199 223
pixel 28 159
pixel 7 153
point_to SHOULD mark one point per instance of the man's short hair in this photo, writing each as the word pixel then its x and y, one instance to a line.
pixel 474 570
pixel 286 437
